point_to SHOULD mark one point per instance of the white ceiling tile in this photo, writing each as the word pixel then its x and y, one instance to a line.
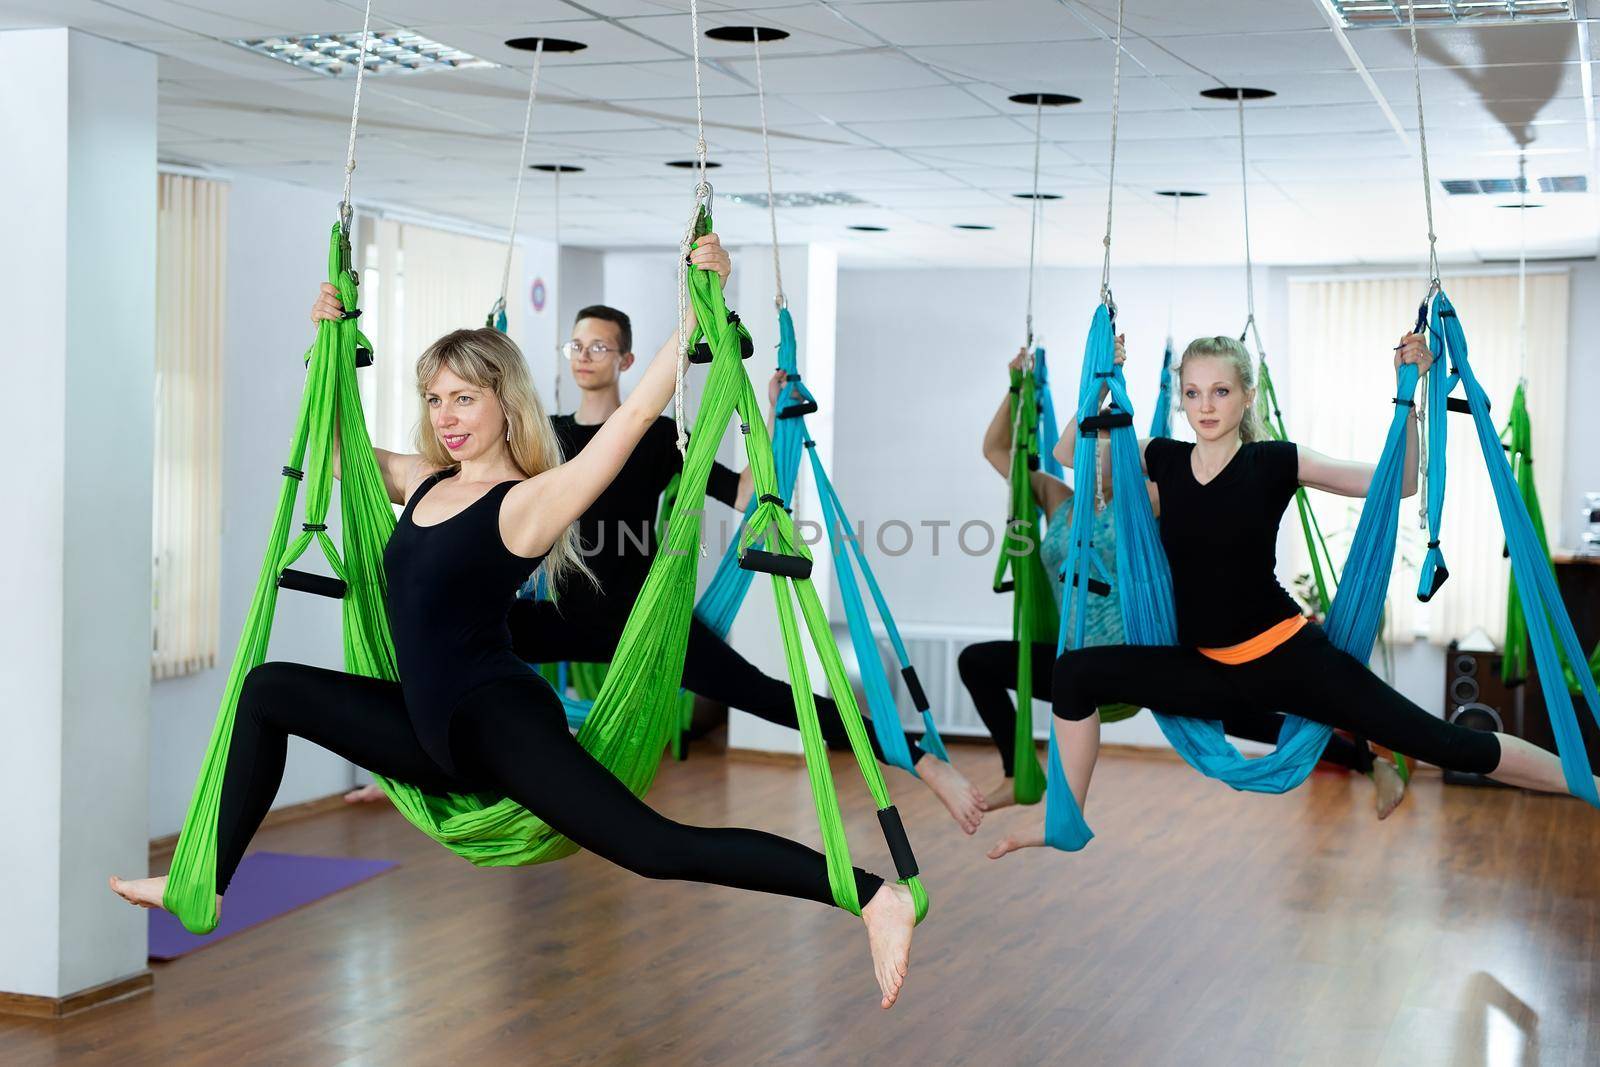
pixel 607 43
pixel 970 22
pixel 865 71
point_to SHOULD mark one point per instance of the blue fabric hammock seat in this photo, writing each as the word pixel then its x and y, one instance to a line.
pixel 719 605
pixel 1148 613
pixel 1550 630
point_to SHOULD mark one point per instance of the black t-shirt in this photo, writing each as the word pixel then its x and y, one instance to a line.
pixel 1221 538
pixel 617 534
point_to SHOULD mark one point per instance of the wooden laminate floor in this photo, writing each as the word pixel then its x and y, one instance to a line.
pixel 1202 926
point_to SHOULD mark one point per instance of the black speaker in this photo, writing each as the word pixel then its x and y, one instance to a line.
pixel 1477 698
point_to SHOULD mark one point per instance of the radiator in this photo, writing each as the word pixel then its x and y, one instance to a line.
pixel 933 649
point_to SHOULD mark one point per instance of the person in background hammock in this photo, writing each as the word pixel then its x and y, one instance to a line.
pixel 1243 643
pixel 617 532
pixel 989 668
pixel 487 500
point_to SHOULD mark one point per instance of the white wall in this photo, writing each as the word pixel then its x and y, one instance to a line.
pixel 277 255
pixel 75 638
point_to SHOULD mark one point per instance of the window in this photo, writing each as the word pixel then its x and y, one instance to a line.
pixel 1341 332
pixel 191 281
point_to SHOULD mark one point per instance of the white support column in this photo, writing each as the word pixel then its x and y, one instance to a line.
pixel 811 274
pixel 78 119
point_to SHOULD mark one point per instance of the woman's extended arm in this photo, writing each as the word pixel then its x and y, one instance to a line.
pixel 539 508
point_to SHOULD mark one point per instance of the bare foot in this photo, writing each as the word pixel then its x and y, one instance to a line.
pixel 146 892
pixel 1003 796
pixel 890 917
pixel 1031 838
pixel 959 796
pixel 1391 788
pixel 364 794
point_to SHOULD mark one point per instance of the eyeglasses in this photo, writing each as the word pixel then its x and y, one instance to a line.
pixel 575 350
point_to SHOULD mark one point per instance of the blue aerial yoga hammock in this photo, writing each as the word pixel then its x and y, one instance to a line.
pixel 1547 618
pixel 1161 419
pixel 1146 593
pixel 719 605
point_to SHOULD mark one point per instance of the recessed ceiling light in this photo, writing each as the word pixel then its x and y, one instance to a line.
pixel 691 164
pixel 797 199
pixel 1360 14
pixel 551 44
pixel 746 34
pixel 1519 207
pixel 387 52
pixel 1236 92
pixel 870 229
pixel 1037 196
pixel 1044 99
pixel 556 168
pixel 972 226
pixel 1178 194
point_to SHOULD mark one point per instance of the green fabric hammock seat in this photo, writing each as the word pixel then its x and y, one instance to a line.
pixel 635 711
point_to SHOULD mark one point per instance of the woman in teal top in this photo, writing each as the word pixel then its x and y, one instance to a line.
pixel 989 668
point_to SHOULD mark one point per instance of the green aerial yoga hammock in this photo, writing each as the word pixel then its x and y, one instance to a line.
pixel 1033 609
pixel 634 713
pixel 1517 438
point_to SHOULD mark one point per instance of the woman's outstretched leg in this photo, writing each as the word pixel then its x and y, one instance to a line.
pixel 362 719
pixel 512 737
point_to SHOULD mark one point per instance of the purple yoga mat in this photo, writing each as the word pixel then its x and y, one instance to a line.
pixel 266 885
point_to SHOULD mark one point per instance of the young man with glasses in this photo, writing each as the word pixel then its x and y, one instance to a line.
pixel 618 541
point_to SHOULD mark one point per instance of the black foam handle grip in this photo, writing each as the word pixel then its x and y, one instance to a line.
pixel 747 347
pixel 919 699
pixel 1033 462
pixel 363 357
pixel 315 584
pixel 894 832
pixel 784 566
pixel 1439 577
pixel 1095 585
pixel 1095 423
pixel 794 411
pixel 1460 406
pixel 1006 586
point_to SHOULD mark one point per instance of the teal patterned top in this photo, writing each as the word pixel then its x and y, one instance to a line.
pixel 1104 623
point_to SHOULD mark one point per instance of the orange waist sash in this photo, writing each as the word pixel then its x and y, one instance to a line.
pixel 1257 646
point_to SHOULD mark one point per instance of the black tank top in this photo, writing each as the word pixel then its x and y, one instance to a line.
pixel 450 586
pixel 1222 538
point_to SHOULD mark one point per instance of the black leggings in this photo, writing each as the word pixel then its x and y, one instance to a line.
pixel 989 671
pixel 711 668
pixel 508 738
pixel 1306 676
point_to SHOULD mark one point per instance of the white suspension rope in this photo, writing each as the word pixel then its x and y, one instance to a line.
pixel 766 152
pixel 1033 211
pixel 1250 327
pixel 553 298
pixel 516 197
pixel 1111 178
pixel 1433 268
pixel 355 116
pixel 1522 271
pixel 702 196
pixel 1172 271
pixel 1422 145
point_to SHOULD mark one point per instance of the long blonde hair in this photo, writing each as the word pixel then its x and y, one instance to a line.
pixel 490 360
pixel 1251 427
